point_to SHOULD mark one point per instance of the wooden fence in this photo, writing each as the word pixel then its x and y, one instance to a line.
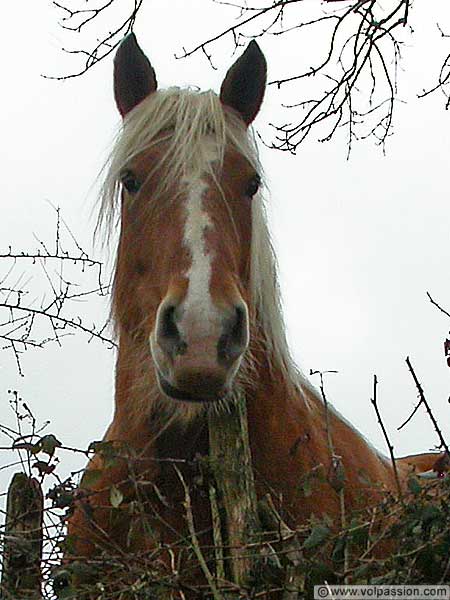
pixel 23 539
pixel 229 450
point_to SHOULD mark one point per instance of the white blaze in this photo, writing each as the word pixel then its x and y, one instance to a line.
pixel 199 310
pixel 199 314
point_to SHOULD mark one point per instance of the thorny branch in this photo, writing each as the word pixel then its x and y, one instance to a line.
pixel 374 402
pixel 417 526
pixel 336 471
pixel 354 85
pixel 447 340
pixel 437 305
pixel 39 299
pixel 349 81
pixel 74 20
pixel 423 401
pixel 443 79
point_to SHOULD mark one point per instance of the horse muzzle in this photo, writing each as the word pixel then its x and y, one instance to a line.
pixel 195 388
pixel 197 358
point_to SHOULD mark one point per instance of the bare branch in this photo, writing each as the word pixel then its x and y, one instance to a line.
pixel 352 85
pixel 44 306
pixel 361 46
pixel 444 75
pixel 424 401
pixel 446 313
pixel 374 403
pixel 76 20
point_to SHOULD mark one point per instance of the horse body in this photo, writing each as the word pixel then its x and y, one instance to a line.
pixel 288 444
pixel 198 320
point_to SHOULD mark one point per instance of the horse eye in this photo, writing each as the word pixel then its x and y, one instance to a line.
pixel 130 182
pixel 253 186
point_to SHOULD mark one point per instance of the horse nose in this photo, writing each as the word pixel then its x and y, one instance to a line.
pixel 168 335
pixel 197 354
pixel 233 334
pixel 234 340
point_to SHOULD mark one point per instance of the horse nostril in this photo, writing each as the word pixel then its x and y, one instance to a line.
pixel 234 339
pixel 168 327
pixel 238 331
pixel 168 336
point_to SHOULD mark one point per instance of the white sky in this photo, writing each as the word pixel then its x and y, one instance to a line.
pixel 359 242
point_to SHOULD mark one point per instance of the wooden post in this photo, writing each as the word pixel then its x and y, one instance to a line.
pixel 22 553
pixel 236 497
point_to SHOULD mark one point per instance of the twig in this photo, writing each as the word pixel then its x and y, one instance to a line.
pixel 194 538
pixel 415 409
pixel 423 401
pixel 437 305
pixel 361 42
pixel 336 472
pixel 22 315
pixel 105 45
pixel 386 437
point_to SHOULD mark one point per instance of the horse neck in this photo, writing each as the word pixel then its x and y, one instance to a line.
pixel 274 389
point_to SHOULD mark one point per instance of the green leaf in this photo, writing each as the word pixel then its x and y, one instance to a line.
pixel 109 461
pixel 328 520
pixel 318 535
pixel 36 448
pixel 101 447
pixel 83 571
pixel 430 513
pixel 385 578
pixel 361 572
pixel 358 533
pixel 67 545
pixel 339 549
pixel 106 450
pixel 115 496
pixel 307 487
pixel 414 485
pixel 90 478
pixel 49 443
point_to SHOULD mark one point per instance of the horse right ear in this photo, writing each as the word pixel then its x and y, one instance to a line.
pixel 134 77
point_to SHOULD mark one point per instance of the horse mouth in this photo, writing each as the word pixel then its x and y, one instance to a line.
pixel 198 396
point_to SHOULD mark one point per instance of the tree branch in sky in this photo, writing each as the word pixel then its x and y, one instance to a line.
pixel 75 20
pixel 41 294
pixel 347 55
pixel 351 84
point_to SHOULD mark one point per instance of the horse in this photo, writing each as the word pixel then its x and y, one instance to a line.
pixel 196 307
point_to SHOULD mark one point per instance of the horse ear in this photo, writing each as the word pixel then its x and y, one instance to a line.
pixel 134 77
pixel 244 84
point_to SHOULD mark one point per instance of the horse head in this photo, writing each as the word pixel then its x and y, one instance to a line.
pixel 188 175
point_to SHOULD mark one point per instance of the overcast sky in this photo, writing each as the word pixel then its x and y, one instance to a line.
pixel 359 242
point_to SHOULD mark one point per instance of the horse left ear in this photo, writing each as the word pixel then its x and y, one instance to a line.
pixel 134 77
pixel 244 84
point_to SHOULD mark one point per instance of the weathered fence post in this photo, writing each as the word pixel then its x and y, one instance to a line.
pixel 236 497
pixel 22 544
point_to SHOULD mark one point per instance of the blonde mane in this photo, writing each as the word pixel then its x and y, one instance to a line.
pixel 184 117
